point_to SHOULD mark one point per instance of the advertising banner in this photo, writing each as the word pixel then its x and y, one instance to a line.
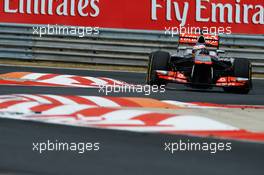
pixel 236 16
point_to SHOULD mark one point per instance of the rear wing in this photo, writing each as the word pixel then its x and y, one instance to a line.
pixel 210 40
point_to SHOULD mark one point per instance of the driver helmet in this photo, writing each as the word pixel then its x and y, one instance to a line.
pixel 201 40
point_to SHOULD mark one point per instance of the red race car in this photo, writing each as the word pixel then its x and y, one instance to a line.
pixel 200 67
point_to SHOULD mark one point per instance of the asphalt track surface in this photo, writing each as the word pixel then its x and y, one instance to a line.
pixel 122 152
pixel 173 92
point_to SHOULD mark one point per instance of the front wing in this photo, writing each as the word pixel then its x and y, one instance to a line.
pixel 180 78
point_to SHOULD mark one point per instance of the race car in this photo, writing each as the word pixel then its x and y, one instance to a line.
pixel 200 67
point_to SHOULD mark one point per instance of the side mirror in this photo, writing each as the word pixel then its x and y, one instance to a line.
pixel 220 51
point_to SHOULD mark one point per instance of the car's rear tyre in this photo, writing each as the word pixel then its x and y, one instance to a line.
pixel 158 60
pixel 243 69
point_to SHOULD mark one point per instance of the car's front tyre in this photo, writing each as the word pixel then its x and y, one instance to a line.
pixel 158 60
pixel 242 68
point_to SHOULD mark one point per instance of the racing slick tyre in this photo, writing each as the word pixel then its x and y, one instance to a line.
pixel 243 69
pixel 157 61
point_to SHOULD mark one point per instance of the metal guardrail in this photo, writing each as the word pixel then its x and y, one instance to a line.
pixel 112 46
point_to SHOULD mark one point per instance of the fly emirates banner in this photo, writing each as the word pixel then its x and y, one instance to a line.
pixel 241 16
